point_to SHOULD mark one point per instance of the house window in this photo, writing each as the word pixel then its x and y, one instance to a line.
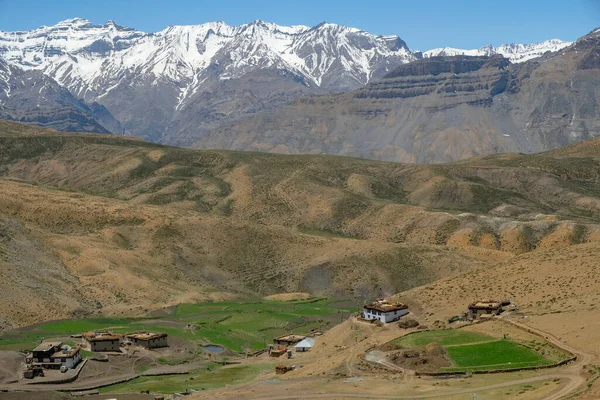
pixel 63 360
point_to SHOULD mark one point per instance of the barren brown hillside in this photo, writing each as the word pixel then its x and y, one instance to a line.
pixel 556 290
pixel 105 224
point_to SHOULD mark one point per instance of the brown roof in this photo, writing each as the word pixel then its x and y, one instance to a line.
pixel 385 306
pixel 99 336
pixel 145 335
pixel 485 305
pixel 47 346
pixel 64 354
pixel 291 338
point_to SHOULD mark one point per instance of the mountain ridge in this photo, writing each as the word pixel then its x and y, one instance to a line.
pixel 438 109
pixel 175 85
pixel 515 52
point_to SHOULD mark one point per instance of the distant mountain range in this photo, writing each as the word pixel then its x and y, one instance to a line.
pixel 515 52
pixel 180 85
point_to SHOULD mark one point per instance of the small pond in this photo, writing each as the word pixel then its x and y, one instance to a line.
pixel 211 348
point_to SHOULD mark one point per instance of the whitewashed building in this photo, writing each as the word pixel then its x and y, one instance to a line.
pixel 68 357
pixel 384 311
pixel 53 355
pixel 305 345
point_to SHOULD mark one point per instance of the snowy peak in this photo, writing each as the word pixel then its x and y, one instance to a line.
pixel 515 52
pixel 39 47
pixel 90 58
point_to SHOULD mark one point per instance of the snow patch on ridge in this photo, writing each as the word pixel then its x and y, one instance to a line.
pixel 91 60
pixel 515 52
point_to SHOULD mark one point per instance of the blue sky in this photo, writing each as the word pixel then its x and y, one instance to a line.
pixel 423 24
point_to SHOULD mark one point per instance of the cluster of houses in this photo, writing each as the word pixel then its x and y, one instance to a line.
pixel 384 311
pixel 107 341
pixel 56 355
pixel 285 344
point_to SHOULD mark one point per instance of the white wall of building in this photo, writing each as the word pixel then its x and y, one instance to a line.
pixel 72 362
pixel 384 317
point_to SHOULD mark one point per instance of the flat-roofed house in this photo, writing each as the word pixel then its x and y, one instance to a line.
pixel 102 341
pixel 384 311
pixel 289 340
pixel 53 355
pixel 149 340
pixel 487 308
pixel 68 357
pixel 44 351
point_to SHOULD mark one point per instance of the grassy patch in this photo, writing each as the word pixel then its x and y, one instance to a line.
pixel 239 326
pixel 449 337
pixel 473 351
pixel 501 354
pixel 211 377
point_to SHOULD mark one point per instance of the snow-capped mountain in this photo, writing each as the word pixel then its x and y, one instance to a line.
pixel 172 86
pixel 86 57
pixel 516 53
pixel 32 97
pixel 150 81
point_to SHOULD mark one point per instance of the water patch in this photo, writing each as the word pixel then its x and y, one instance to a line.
pixel 211 348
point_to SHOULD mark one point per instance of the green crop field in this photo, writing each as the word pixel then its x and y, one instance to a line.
pixel 210 377
pixel 472 351
pixel 449 337
pixel 239 326
pixel 501 354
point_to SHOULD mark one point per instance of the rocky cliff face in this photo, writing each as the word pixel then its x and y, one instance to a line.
pixel 438 110
pixel 34 98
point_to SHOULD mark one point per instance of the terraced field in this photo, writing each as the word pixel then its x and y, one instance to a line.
pixel 238 326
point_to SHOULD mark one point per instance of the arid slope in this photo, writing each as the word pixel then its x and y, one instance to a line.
pixel 105 224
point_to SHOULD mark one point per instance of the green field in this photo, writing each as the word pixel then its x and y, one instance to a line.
pixel 501 354
pixel 239 326
pixel 472 351
pixel 448 337
pixel 210 377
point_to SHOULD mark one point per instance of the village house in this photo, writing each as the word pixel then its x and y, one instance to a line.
pixel 44 351
pixel 289 340
pixel 149 340
pixel 53 355
pixel 384 311
pixel 484 309
pixel 102 341
pixel 68 357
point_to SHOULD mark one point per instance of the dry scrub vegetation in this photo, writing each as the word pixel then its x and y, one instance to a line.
pixel 103 224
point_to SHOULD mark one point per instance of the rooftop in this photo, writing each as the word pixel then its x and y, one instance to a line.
pixel 47 346
pixel 486 304
pixel 291 338
pixel 386 306
pixel 99 336
pixel 308 342
pixel 146 335
pixel 67 354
